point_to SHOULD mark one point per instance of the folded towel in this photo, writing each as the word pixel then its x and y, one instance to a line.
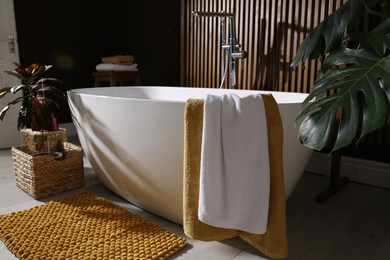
pixel 273 243
pixel 119 59
pixel 234 173
pixel 116 67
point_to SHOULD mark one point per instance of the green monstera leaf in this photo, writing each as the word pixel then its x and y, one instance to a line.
pixel 328 35
pixel 360 80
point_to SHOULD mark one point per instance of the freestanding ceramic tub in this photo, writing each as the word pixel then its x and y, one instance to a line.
pixel 133 138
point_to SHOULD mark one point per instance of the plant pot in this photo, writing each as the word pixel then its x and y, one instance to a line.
pixel 41 141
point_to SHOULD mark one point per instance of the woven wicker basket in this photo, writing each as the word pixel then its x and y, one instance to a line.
pixel 41 176
pixel 38 141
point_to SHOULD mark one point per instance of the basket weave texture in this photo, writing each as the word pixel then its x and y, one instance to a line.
pixel 41 176
pixel 39 141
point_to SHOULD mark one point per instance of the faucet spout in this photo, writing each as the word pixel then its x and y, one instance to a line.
pixel 212 14
pixel 230 51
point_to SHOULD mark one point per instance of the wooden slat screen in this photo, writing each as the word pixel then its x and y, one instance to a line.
pixel 269 30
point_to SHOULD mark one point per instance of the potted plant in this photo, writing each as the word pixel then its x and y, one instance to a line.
pixel 46 164
pixel 351 94
pixel 36 117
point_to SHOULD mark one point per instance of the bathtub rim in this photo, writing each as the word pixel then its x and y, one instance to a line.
pixel 88 91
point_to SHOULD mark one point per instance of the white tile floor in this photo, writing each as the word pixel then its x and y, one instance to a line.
pixel 353 225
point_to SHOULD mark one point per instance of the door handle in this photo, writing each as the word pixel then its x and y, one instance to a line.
pixel 11 45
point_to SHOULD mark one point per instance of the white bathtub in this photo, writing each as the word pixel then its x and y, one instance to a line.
pixel 133 138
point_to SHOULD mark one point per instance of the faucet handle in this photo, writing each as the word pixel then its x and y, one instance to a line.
pixel 239 54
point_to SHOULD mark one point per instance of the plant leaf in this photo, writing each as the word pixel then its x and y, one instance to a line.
pixel 25 114
pixel 41 115
pixel 8 106
pixel 22 76
pixel 4 91
pixel 351 73
pixel 17 88
pixel 328 35
pixel 4 111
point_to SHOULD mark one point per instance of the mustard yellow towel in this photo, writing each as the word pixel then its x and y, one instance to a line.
pixel 274 242
pixel 119 59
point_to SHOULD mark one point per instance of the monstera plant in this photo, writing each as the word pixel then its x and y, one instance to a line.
pixel 36 106
pixel 351 94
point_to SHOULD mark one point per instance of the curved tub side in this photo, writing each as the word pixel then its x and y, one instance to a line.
pixel 135 147
pixel 295 155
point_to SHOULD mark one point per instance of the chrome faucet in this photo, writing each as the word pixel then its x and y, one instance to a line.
pixel 231 51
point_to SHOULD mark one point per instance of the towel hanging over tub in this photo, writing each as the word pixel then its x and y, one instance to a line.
pixel 235 172
pixel 273 243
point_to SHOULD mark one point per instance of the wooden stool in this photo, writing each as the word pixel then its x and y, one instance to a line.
pixel 116 78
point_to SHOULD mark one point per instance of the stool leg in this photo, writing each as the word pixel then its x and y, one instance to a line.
pixel 97 82
pixel 138 80
pixel 336 182
pixel 113 81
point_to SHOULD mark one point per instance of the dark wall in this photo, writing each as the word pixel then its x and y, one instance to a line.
pixel 74 35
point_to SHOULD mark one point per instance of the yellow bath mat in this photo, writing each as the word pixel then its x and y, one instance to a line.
pixel 85 226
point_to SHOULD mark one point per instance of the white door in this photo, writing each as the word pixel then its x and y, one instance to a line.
pixel 9 135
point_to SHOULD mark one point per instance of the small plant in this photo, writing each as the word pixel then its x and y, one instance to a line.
pixel 36 108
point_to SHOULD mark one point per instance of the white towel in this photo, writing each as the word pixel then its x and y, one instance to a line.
pixel 235 173
pixel 116 67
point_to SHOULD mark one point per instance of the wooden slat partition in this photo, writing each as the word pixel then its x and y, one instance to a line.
pixel 269 30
